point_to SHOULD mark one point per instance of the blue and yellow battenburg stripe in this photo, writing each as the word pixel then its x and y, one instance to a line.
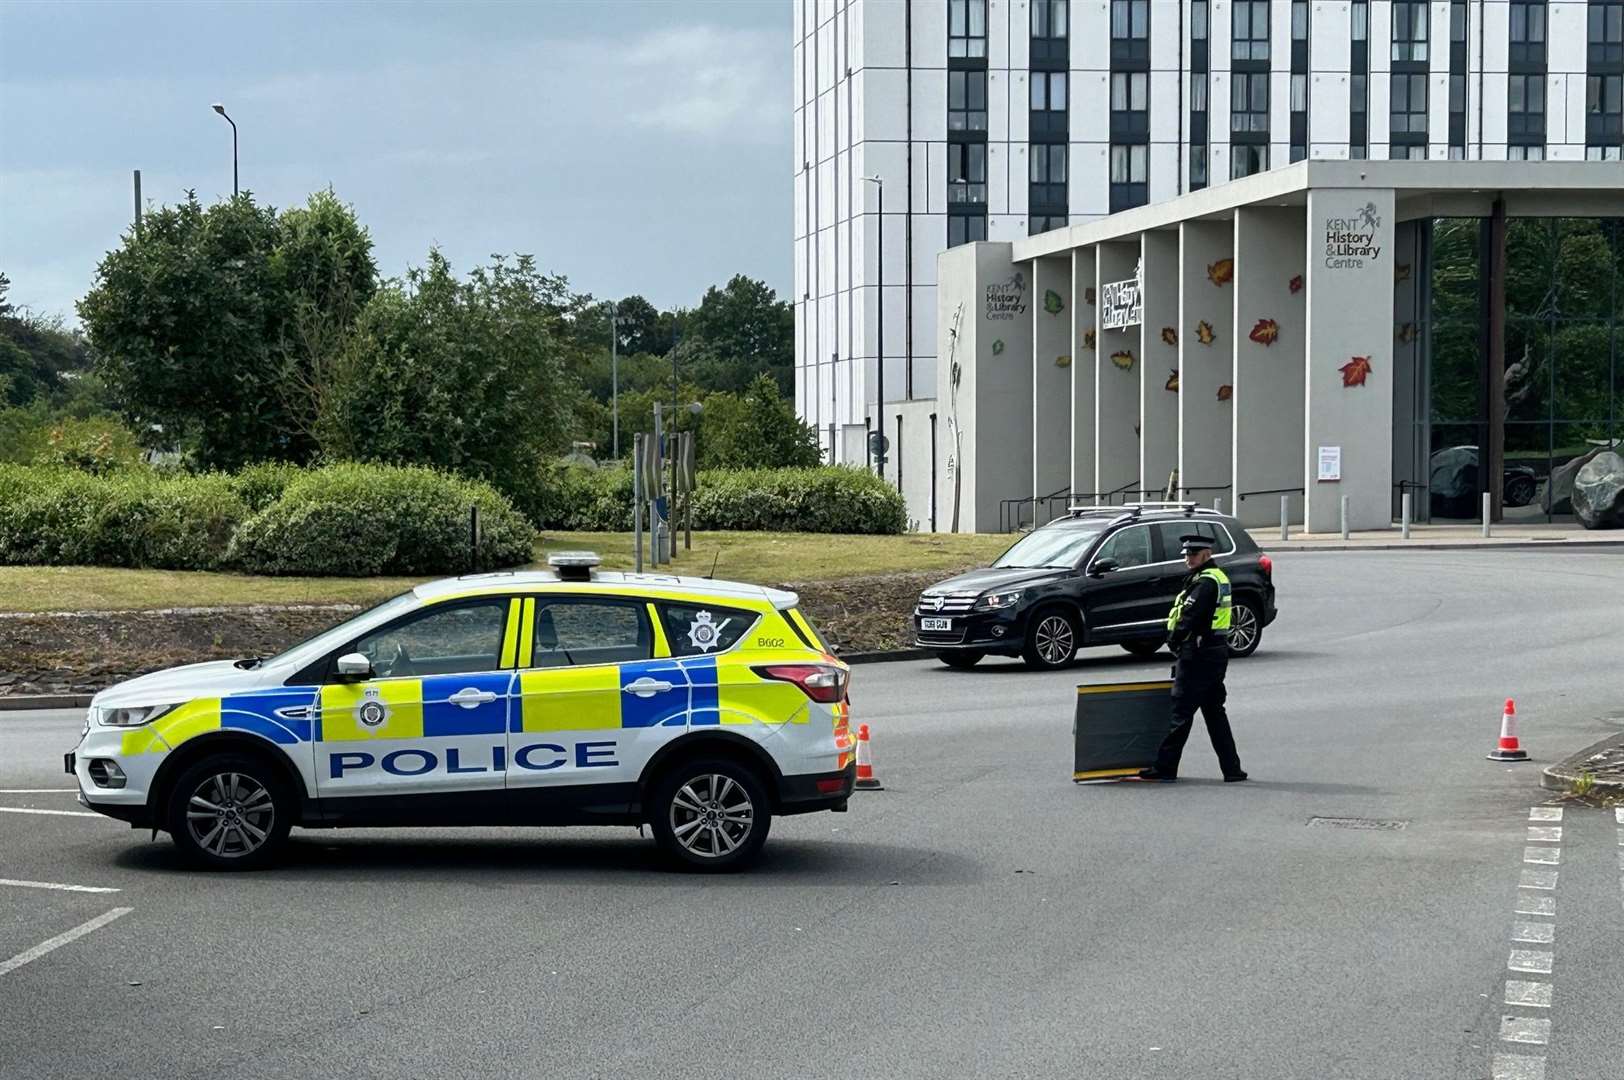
pixel 283 716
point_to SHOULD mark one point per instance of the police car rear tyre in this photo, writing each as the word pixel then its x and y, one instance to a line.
pixel 710 814
pixel 230 812
pixel 961 658
pixel 1051 640
pixel 1245 629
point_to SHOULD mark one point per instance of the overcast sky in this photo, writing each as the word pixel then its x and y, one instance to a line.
pixel 634 147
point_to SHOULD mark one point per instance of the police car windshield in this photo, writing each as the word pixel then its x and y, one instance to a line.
pixel 311 648
pixel 1056 547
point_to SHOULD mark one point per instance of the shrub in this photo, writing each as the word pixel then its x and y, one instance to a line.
pixel 831 499
pixel 97 444
pixel 356 519
pixel 261 485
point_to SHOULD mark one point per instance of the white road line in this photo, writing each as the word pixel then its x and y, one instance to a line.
pixel 1525 1029
pixel 1518 1067
pixel 62 939
pixel 1618 815
pixel 55 885
pixel 1537 879
pixel 1538 963
pixel 1545 813
pixel 39 791
pixel 1547 833
pixel 1537 933
pixel 1532 994
pixel 1548 856
pixel 1536 905
pixel 53 813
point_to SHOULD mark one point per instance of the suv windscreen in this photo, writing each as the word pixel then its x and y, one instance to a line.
pixel 1054 547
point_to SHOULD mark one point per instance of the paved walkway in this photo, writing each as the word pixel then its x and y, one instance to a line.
pixel 1446 537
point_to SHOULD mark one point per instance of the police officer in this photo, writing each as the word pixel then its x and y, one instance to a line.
pixel 1198 633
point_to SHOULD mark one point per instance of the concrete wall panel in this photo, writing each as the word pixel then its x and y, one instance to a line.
pixel 1206 360
pixel 1051 380
pixel 1158 375
pixel 1084 357
pixel 1269 347
pixel 1116 384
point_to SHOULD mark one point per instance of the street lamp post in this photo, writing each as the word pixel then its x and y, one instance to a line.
pixel 880 259
pixel 221 109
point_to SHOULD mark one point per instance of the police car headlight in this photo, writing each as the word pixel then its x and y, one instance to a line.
pixel 997 601
pixel 136 717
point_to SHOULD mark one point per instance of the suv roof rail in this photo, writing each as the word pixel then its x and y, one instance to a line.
pixel 1134 509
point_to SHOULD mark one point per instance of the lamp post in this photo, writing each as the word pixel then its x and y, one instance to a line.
pixel 221 109
pixel 880 259
pixel 614 375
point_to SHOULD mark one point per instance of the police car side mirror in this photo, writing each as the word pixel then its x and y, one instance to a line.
pixel 354 666
pixel 1101 567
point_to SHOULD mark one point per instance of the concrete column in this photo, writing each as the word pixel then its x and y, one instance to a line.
pixel 1051 380
pixel 1206 360
pixel 1116 383
pixel 1350 355
pixel 1270 340
pixel 1084 358
pixel 1158 375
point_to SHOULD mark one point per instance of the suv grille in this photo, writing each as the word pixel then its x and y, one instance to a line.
pixel 952 603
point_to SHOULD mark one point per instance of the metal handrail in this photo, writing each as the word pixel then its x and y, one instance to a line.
pixel 1271 491
pixel 1005 505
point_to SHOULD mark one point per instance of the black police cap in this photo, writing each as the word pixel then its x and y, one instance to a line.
pixel 1193 544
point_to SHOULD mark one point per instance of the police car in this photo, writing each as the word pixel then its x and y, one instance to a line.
pixel 700 708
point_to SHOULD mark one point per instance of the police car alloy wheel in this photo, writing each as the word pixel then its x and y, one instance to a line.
pixel 1245 629
pixel 710 815
pixel 229 812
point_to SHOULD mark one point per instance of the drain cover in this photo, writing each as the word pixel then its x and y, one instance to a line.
pixel 1376 824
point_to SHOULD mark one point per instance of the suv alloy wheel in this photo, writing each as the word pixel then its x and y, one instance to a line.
pixel 1051 640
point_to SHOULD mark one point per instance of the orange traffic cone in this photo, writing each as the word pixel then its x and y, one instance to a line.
pixel 866 780
pixel 1508 750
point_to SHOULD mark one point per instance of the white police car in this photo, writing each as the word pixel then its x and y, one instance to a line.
pixel 698 707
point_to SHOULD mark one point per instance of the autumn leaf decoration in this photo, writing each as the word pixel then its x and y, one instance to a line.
pixel 1265 331
pixel 1204 333
pixel 1052 302
pixel 1170 336
pixel 1295 285
pixel 1355 371
pixel 1123 359
pixel 1221 272
pixel 1088 340
pixel 1406 333
pixel 997 346
pixel 1172 382
pixel 1225 392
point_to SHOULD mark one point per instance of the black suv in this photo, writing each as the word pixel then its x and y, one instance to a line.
pixel 1103 575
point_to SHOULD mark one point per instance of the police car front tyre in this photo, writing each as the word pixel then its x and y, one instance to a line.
pixel 229 812
pixel 710 815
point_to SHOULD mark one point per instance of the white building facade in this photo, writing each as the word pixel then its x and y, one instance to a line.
pixel 1003 119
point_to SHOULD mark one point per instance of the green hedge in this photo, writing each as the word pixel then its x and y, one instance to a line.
pixel 343 519
pixel 359 520
pixel 135 517
pixel 831 499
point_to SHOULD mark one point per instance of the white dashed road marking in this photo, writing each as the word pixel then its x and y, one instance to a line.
pixel 1534 995
pixel 1545 813
pixel 1523 1029
pixel 53 813
pixel 1547 833
pixel 1537 933
pixel 1517 1067
pixel 1545 855
pixel 1537 879
pixel 58 886
pixel 1530 960
pixel 1536 905
pixel 1524 993
pixel 60 940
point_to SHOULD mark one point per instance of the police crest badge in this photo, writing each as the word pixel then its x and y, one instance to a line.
pixel 372 712
pixel 703 633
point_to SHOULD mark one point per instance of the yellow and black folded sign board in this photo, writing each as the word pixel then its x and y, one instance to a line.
pixel 1118 728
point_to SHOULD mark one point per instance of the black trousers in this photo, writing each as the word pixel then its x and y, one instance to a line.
pixel 1198 683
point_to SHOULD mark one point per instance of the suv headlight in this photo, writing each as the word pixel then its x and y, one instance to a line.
pixel 136 717
pixel 998 601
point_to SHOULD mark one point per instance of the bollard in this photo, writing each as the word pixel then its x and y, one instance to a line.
pixel 1285 508
pixel 1485 515
pixel 637 500
pixel 1404 516
pixel 1218 504
pixel 1344 517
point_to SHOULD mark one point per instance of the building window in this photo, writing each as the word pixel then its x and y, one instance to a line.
pixel 1361 20
pixel 967 101
pixel 1525 153
pixel 1457 153
pixel 1604 153
pixel 1130 91
pixel 1247 160
pixel 966 28
pixel 1048 91
pixel 1457 22
pixel 966 172
pixel 1249 32
pixel 1457 93
pixel 1048 18
pixel 1130 30
pixel 1299 93
pixel 1604 109
pixel 1198 167
pixel 1359 93
pixel 1525 95
pixel 1407 153
pixel 1198 91
pixel 965 228
pixel 1606 36
pixel 1048 175
pixel 1528 34
pixel 1409 97
pixel 1249 102
pixel 1043 223
pixel 1130 166
pixel 1198 20
pixel 1410 24
pixel 1298 151
pixel 1299 20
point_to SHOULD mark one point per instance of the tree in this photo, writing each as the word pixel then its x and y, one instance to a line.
pixel 462 375
pixel 758 430
pixel 39 356
pixel 200 320
pixel 739 331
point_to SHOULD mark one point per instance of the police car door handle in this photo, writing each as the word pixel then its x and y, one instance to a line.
pixel 471 699
pixel 647 687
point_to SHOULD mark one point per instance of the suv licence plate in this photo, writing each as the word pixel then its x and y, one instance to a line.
pixel 935 624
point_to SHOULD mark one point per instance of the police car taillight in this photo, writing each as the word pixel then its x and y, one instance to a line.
pixel 821 682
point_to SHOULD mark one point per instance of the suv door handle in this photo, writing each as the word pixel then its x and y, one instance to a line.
pixel 646 687
pixel 471 698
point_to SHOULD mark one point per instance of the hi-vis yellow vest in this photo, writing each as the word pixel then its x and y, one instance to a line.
pixel 1220 614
